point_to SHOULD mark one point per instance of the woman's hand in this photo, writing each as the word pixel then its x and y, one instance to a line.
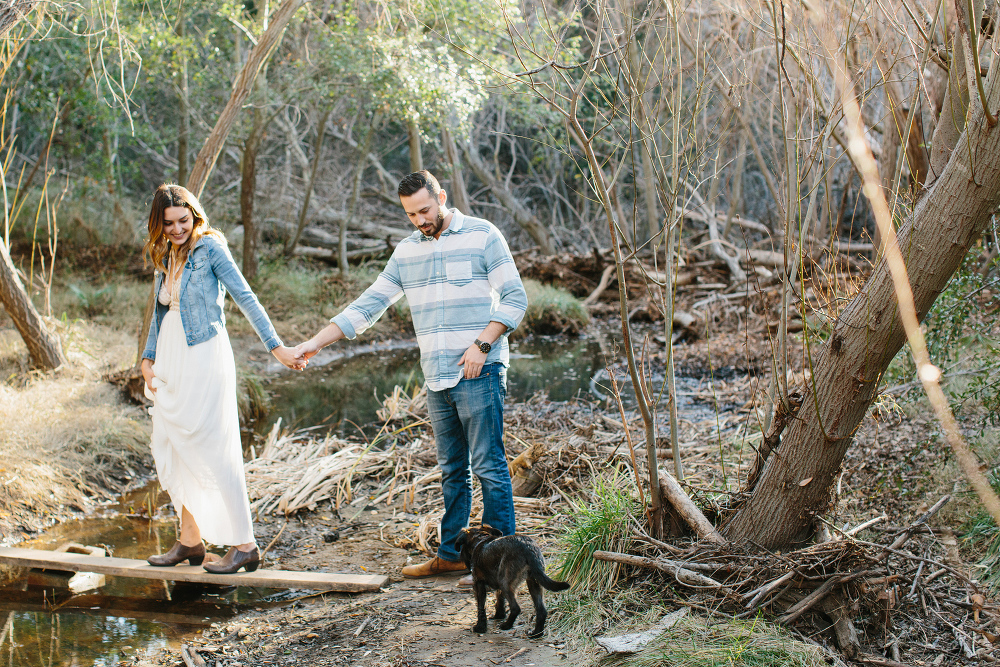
pixel 147 374
pixel 286 356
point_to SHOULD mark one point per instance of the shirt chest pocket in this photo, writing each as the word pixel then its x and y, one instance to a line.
pixel 459 273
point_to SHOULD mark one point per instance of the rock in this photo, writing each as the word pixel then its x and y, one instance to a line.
pixel 332 536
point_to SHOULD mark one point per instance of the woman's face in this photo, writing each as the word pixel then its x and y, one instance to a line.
pixel 177 224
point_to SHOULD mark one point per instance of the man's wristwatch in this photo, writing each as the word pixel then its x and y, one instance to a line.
pixel 483 347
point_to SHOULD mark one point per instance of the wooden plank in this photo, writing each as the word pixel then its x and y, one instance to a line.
pixel 125 567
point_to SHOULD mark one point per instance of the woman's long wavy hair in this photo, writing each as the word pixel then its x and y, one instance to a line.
pixel 157 244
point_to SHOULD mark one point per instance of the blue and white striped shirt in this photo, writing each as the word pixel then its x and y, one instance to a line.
pixel 455 285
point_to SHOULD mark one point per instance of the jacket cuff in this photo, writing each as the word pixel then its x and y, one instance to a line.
pixel 272 343
pixel 149 355
pixel 345 325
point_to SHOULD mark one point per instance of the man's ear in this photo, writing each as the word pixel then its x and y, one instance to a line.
pixel 442 197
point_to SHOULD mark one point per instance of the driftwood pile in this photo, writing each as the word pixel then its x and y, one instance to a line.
pixel 906 598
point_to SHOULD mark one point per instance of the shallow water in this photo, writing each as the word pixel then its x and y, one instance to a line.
pixel 50 626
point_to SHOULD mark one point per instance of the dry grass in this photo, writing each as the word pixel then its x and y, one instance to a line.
pixel 67 439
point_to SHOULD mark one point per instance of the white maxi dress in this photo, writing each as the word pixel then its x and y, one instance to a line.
pixel 196 429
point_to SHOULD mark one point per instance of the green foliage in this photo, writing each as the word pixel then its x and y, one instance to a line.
pixel 599 523
pixel 552 310
pixel 961 340
pixel 93 301
pixel 697 642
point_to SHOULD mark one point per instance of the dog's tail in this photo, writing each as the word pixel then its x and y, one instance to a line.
pixel 538 574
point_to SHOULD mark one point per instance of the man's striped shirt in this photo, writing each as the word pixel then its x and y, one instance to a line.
pixel 455 286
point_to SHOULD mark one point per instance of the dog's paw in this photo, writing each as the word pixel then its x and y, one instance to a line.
pixel 507 625
pixel 479 628
pixel 499 616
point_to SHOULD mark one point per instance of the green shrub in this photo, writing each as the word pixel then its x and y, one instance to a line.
pixel 552 310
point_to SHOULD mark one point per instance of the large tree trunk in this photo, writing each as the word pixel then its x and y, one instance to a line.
pixel 43 347
pixel 209 153
pixel 525 218
pixel 796 482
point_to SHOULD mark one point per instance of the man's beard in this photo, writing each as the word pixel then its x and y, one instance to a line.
pixel 436 225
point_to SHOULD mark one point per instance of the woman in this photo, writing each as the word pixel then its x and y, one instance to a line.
pixel 191 376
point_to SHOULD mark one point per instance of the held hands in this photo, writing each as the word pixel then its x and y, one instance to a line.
pixel 287 356
pixel 303 352
pixel 473 360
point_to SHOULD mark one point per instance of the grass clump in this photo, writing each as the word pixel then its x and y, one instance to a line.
pixel 701 642
pixel 600 523
pixel 552 310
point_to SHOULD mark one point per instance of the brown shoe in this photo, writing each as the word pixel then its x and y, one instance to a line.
pixel 434 567
pixel 234 560
pixel 193 555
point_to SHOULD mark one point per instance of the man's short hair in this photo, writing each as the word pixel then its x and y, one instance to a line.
pixel 412 183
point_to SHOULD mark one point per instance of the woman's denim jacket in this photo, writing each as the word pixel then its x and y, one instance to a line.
pixel 208 273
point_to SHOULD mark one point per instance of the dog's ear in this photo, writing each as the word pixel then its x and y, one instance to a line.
pixel 463 539
pixel 487 528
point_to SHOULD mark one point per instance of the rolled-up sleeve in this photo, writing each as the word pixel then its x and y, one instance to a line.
pixel 373 302
pixel 505 281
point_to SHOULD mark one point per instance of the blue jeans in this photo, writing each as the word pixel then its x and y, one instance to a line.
pixel 468 427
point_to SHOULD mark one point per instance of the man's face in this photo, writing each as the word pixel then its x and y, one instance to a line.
pixel 425 212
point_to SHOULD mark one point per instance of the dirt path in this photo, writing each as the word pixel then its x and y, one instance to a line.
pixel 410 622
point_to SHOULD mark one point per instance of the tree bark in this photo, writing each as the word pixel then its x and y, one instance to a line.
pixel 459 195
pixel 796 481
pixel 13 11
pixel 248 188
pixel 184 104
pixel 209 153
pixel 413 133
pixel 525 218
pixel 43 346
pixel 313 169
pixel 956 99
pixel 352 208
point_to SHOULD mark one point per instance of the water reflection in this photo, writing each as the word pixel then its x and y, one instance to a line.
pixel 344 393
pixel 47 625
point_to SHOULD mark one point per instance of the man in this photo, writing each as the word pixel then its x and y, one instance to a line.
pixel 465 297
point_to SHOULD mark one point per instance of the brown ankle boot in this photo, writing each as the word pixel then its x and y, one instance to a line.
pixel 234 560
pixel 193 555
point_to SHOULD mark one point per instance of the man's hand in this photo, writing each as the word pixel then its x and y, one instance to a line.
pixel 147 374
pixel 473 360
pixel 303 352
pixel 286 355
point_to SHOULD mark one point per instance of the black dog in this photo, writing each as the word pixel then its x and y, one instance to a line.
pixel 502 564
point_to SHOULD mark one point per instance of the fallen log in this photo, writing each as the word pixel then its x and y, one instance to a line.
pixel 675 568
pixel 693 517
pixel 330 255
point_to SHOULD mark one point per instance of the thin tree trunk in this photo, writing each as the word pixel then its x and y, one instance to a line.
pixel 795 485
pixel 459 195
pixel 956 101
pixel 413 133
pixel 313 170
pixel 525 218
pixel 209 153
pixel 43 346
pixel 248 186
pixel 184 104
pixel 352 209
